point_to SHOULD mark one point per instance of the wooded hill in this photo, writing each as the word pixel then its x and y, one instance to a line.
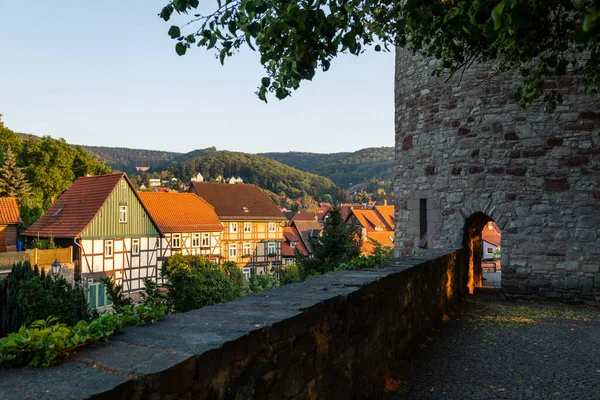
pixel 268 174
pixel 344 169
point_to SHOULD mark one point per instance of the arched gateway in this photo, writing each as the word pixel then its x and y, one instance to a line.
pixel 467 155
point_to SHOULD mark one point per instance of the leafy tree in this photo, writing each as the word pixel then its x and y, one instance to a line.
pixel 342 196
pixel 84 164
pixel 338 244
pixel 8 139
pixel 12 178
pixel 261 282
pixel 294 39
pixel 362 197
pixel 326 198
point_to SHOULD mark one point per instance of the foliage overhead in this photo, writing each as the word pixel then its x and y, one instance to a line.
pixel 295 39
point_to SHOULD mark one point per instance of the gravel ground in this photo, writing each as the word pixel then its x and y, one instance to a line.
pixel 498 349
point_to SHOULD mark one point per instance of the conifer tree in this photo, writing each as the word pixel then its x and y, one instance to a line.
pixel 12 178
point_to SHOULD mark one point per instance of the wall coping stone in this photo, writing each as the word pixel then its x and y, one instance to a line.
pixel 154 354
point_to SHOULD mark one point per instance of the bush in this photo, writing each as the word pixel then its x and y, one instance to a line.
pixel 115 294
pixel 47 341
pixel 290 274
pixel 28 295
pixel 195 282
pixel 378 256
pixel 260 283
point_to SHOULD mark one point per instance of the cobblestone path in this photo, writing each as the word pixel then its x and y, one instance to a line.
pixel 499 349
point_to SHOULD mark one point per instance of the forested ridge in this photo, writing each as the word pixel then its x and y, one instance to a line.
pixel 344 169
pixel 268 174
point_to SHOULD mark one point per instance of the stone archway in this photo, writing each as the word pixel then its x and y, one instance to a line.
pixel 472 247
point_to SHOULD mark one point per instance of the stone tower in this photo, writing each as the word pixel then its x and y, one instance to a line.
pixel 467 155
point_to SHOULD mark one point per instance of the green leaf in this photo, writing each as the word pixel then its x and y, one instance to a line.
pixel 222 55
pixel 265 81
pixel 377 48
pixel 497 15
pixel 453 12
pixel 174 32
pixel 589 20
pixel 180 49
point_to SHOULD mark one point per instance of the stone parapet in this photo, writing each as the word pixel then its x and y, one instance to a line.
pixel 335 336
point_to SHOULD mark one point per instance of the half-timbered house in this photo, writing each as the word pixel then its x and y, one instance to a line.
pixel 187 223
pixel 253 225
pixel 110 230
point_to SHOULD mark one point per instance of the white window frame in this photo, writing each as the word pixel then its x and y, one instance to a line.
pixel 195 240
pixel 232 250
pixel 272 245
pixel 176 241
pixel 247 227
pixel 247 272
pixel 205 240
pixel 272 227
pixel 293 245
pixel 247 249
pixel 108 248
pixel 289 261
pixel 233 227
pixel 135 247
pixel 123 214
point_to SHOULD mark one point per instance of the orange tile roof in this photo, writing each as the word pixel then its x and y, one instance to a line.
pixel 292 235
pixel 9 211
pixel 387 215
pixel 370 219
pixel 76 207
pixel 180 212
pixel 386 239
pixel 238 202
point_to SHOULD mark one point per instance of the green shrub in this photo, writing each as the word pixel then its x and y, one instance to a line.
pixel 195 282
pixel 260 283
pixel 115 294
pixel 378 256
pixel 290 274
pixel 46 341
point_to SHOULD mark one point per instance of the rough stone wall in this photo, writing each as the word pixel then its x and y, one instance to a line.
pixel 341 335
pixel 467 148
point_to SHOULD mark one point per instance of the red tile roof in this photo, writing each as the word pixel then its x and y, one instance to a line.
pixel 9 211
pixel 292 235
pixel 180 212
pixel 238 202
pixel 493 235
pixel 76 207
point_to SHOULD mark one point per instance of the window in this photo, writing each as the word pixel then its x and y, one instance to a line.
pixel 206 240
pixel 490 250
pixel 423 223
pixel 108 248
pixel 176 241
pixel 272 227
pixel 247 273
pixel 123 184
pixel 247 227
pixel 233 250
pixel 293 245
pixel 55 214
pixel 97 296
pixel 233 227
pixel 122 214
pixel 247 249
pixel 195 240
pixel 135 247
pixel 271 248
pixel 289 261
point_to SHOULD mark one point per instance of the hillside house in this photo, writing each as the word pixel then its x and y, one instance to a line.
pixel 9 219
pixel 197 178
pixel 292 243
pixel 308 230
pixel 375 225
pixel 187 224
pixel 253 225
pixel 110 230
pixel 153 182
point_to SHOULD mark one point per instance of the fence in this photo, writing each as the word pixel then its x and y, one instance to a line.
pixel 47 257
pixel 7 259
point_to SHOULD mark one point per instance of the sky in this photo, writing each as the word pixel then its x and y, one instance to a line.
pixel 105 73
